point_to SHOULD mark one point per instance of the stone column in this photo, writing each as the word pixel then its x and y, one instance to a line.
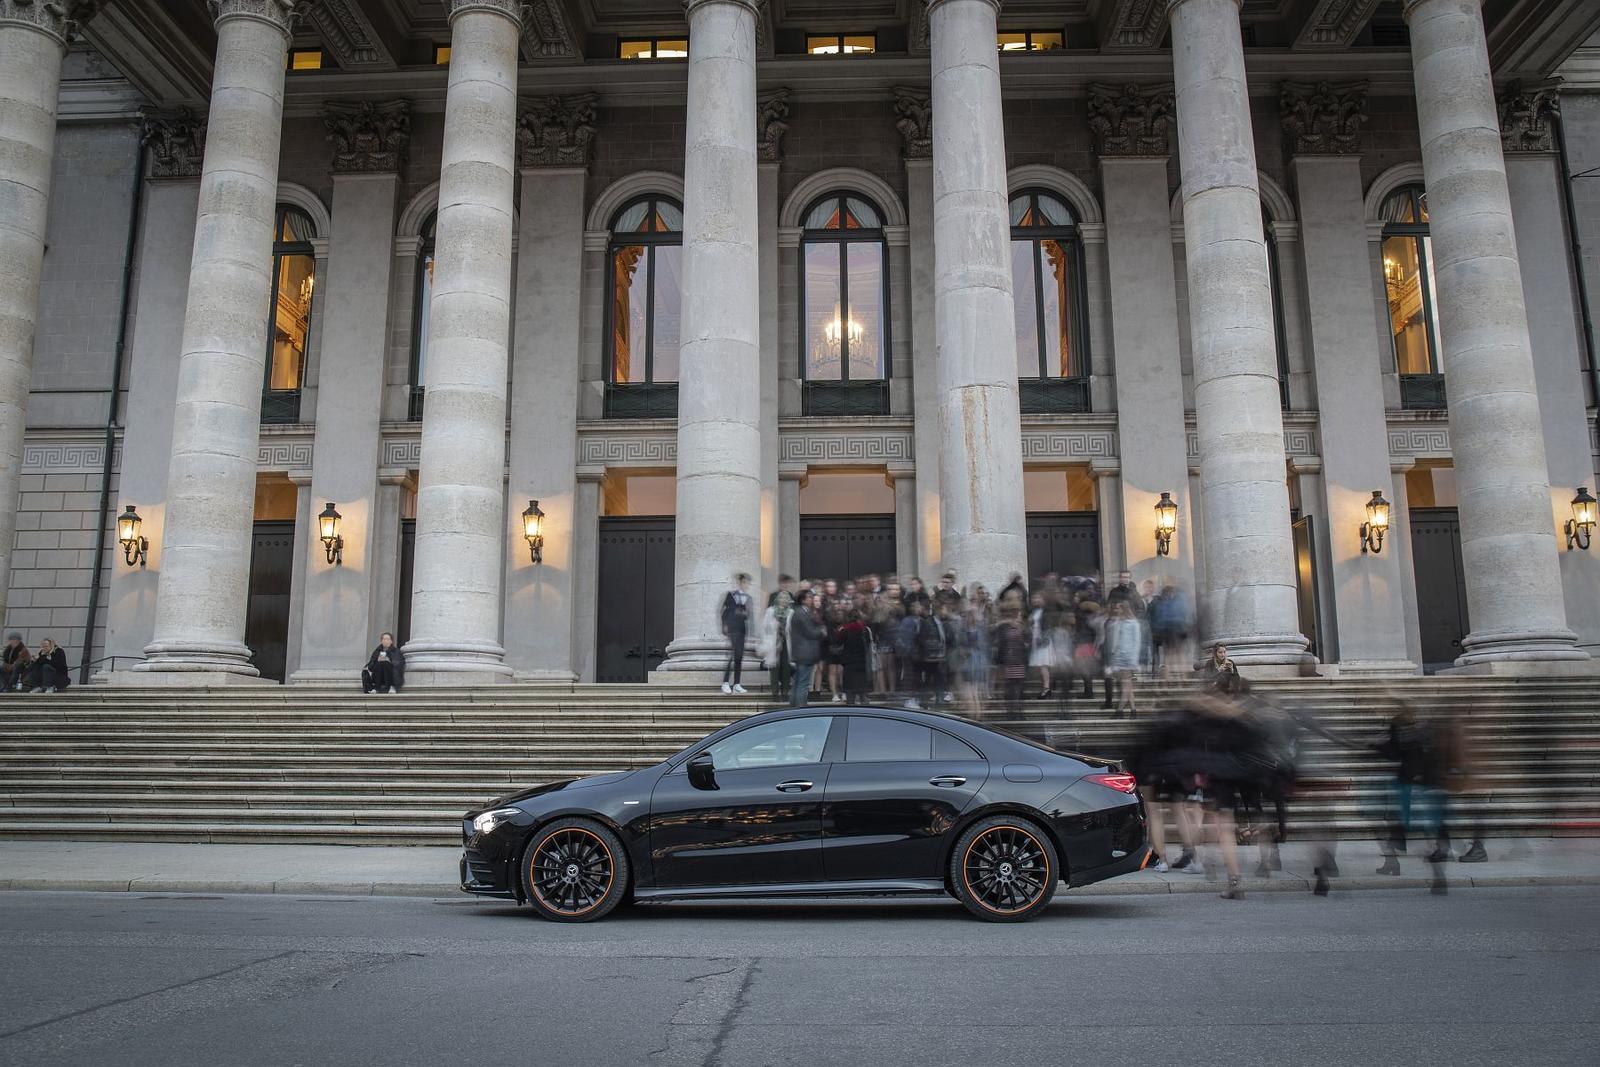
pixel 585 572
pixel 905 521
pixel 1107 475
pixel 1249 557
pixel 33 39
pixel 914 117
pixel 172 192
pixel 556 138
pixel 982 522
pixel 1323 126
pixel 339 625
pixel 1508 544
pixel 1132 127
pixel 789 522
pixel 461 503
pixel 719 390
pixel 773 112
pixel 394 484
pixel 1533 174
pixel 1400 530
pixel 204 586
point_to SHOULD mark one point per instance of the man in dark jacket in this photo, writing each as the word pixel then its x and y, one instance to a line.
pixel 386 670
pixel 14 663
pixel 48 674
pixel 805 645
pixel 735 624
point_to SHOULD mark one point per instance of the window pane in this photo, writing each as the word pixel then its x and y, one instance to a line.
pixel 1012 42
pixel 634 218
pixel 296 226
pixel 1422 204
pixel 823 45
pixel 1397 206
pixel 672 49
pixel 1433 303
pixel 864 214
pixel 630 275
pixel 773 744
pixel 633 49
pixel 441 55
pixel 887 739
pixel 1027 314
pixel 865 292
pixel 1055 264
pixel 823 315
pixel 1052 212
pixel 1019 209
pixel 665 341
pixel 824 216
pixel 1047 42
pixel 669 217
pixel 860 44
pixel 1402 280
pixel 947 747
pixel 305 59
pixel 424 307
pixel 291 320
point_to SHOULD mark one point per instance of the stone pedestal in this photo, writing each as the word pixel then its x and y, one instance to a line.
pixel 719 393
pixel 1251 604
pixel 203 590
pixel 1508 544
pixel 982 521
pixel 461 493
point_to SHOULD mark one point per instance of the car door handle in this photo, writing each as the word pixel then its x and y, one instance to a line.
pixel 947 780
pixel 793 786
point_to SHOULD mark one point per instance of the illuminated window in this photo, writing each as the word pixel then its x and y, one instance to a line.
pixel 653 48
pixel 294 269
pixel 844 291
pixel 644 275
pixel 305 59
pixel 1409 283
pixel 419 317
pixel 1031 40
pixel 1047 287
pixel 441 55
pixel 841 44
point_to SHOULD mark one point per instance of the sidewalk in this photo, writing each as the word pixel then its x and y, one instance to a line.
pixel 315 870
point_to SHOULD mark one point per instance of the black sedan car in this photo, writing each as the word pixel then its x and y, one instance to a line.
pixel 812 801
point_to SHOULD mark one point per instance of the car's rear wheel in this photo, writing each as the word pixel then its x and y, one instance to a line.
pixel 1004 869
pixel 575 871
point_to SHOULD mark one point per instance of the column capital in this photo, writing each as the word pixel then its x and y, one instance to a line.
pixel 281 14
pixel 1526 111
pixel 772 109
pixel 557 131
pixel 1323 118
pixel 1130 119
pixel 368 137
pixel 57 18
pixel 176 140
pixel 511 9
pixel 1410 6
pixel 931 4
pixel 913 117
pixel 753 6
pixel 1173 5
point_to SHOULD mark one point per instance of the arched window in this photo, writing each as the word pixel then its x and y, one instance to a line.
pixel 645 268
pixel 1047 284
pixel 844 295
pixel 1409 289
pixel 419 317
pixel 294 270
pixel 1280 341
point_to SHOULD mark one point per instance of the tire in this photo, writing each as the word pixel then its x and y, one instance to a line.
pixel 1004 869
pixel 574 871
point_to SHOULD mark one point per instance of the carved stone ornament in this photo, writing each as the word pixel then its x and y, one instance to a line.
pixel 1334 24
pixel 176 140
pixel 1526 112
pixel 913 117
pixel 350 35
pixel 1135 25
pixel 1131 120
pixel 59 18
pixel 545 31
pixel 917 41
pixel 771 112
pixel 285 14
pixel 369 137
pixel 557 132
pixel 1323 119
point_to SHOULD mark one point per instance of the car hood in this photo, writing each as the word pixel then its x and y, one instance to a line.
pixel 565 783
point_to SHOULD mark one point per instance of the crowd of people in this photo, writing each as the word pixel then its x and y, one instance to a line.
pixel 848 641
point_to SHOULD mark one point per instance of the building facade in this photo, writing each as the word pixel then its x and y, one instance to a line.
pixel 790 287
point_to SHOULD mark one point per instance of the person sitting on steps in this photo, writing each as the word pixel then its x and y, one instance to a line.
pixel 385 672
pixel 48 674
pixel 16 661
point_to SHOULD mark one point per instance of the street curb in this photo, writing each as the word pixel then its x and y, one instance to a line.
pixel 1285 884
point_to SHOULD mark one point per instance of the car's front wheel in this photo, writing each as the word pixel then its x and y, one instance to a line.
pixel 1004 869
pixel 575 871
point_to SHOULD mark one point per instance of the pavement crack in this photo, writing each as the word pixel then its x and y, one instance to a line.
pixel 725 1028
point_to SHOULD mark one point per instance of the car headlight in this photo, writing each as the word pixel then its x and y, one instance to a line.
pixel 486 823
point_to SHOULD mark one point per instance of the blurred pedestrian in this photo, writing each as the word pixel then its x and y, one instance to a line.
pixel 735 624
pixel 1124 648
pixel 1410 745
pixel 855 658
pixel 1011 649
pixel 805 645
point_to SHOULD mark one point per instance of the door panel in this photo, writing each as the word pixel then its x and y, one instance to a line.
pixel 846 546
pixel 1305 569
pixel 408 558
pixel 634 613
pixel 1063 542
pixel 1441 585
pixel 266 628
pixel 744 832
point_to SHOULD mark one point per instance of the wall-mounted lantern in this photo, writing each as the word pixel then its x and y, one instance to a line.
pixel 1581 525
pixel 1377 524
pixel 134 547
pixel 1166 524
pixel 533 530
pixel 328 529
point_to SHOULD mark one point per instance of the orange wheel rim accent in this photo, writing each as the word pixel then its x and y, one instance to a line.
pixel 1006 869
pixel 571 870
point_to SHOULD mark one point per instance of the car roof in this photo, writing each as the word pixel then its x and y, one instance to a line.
pixel 950 723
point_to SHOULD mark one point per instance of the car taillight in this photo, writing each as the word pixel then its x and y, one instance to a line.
pixel 1121 782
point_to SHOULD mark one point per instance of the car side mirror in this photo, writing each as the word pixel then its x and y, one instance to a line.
pixel 702 774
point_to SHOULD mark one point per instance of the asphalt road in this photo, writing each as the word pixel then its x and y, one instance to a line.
pixel 1492 976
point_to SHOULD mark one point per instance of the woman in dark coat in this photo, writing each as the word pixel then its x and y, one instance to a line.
pixel 1011 648
pixel 855 654
pixel 386 670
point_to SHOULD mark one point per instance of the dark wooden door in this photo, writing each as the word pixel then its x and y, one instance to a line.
pixel 845 547
pixel 266 627
pixel 1305 581
pixel 1441 586
pixel 634 612
pixel 408 558
pixel 1063 542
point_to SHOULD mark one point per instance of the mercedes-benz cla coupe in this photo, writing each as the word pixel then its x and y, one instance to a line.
pixel 817 801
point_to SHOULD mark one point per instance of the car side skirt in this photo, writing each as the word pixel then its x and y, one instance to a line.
pixel 891 887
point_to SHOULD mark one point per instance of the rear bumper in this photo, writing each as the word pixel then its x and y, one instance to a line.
pixel 1133 861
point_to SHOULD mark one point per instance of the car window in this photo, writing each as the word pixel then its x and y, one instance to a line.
pixel 872 738
pixel 947 747
pixel 773 744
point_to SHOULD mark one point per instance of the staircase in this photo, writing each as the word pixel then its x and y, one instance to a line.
pixel 311 765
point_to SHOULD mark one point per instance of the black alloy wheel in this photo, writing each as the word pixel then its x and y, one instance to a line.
pixel 575 871
pixel 1004 869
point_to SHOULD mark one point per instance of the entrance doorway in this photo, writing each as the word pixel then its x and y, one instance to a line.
pixel 634 609
pixel 1063 542
pixel 266 627
pixel 408 558
pixel 1305 581
pixel 846 546
pixel 1441 585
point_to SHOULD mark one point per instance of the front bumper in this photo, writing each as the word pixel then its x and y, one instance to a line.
pixel 488 861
